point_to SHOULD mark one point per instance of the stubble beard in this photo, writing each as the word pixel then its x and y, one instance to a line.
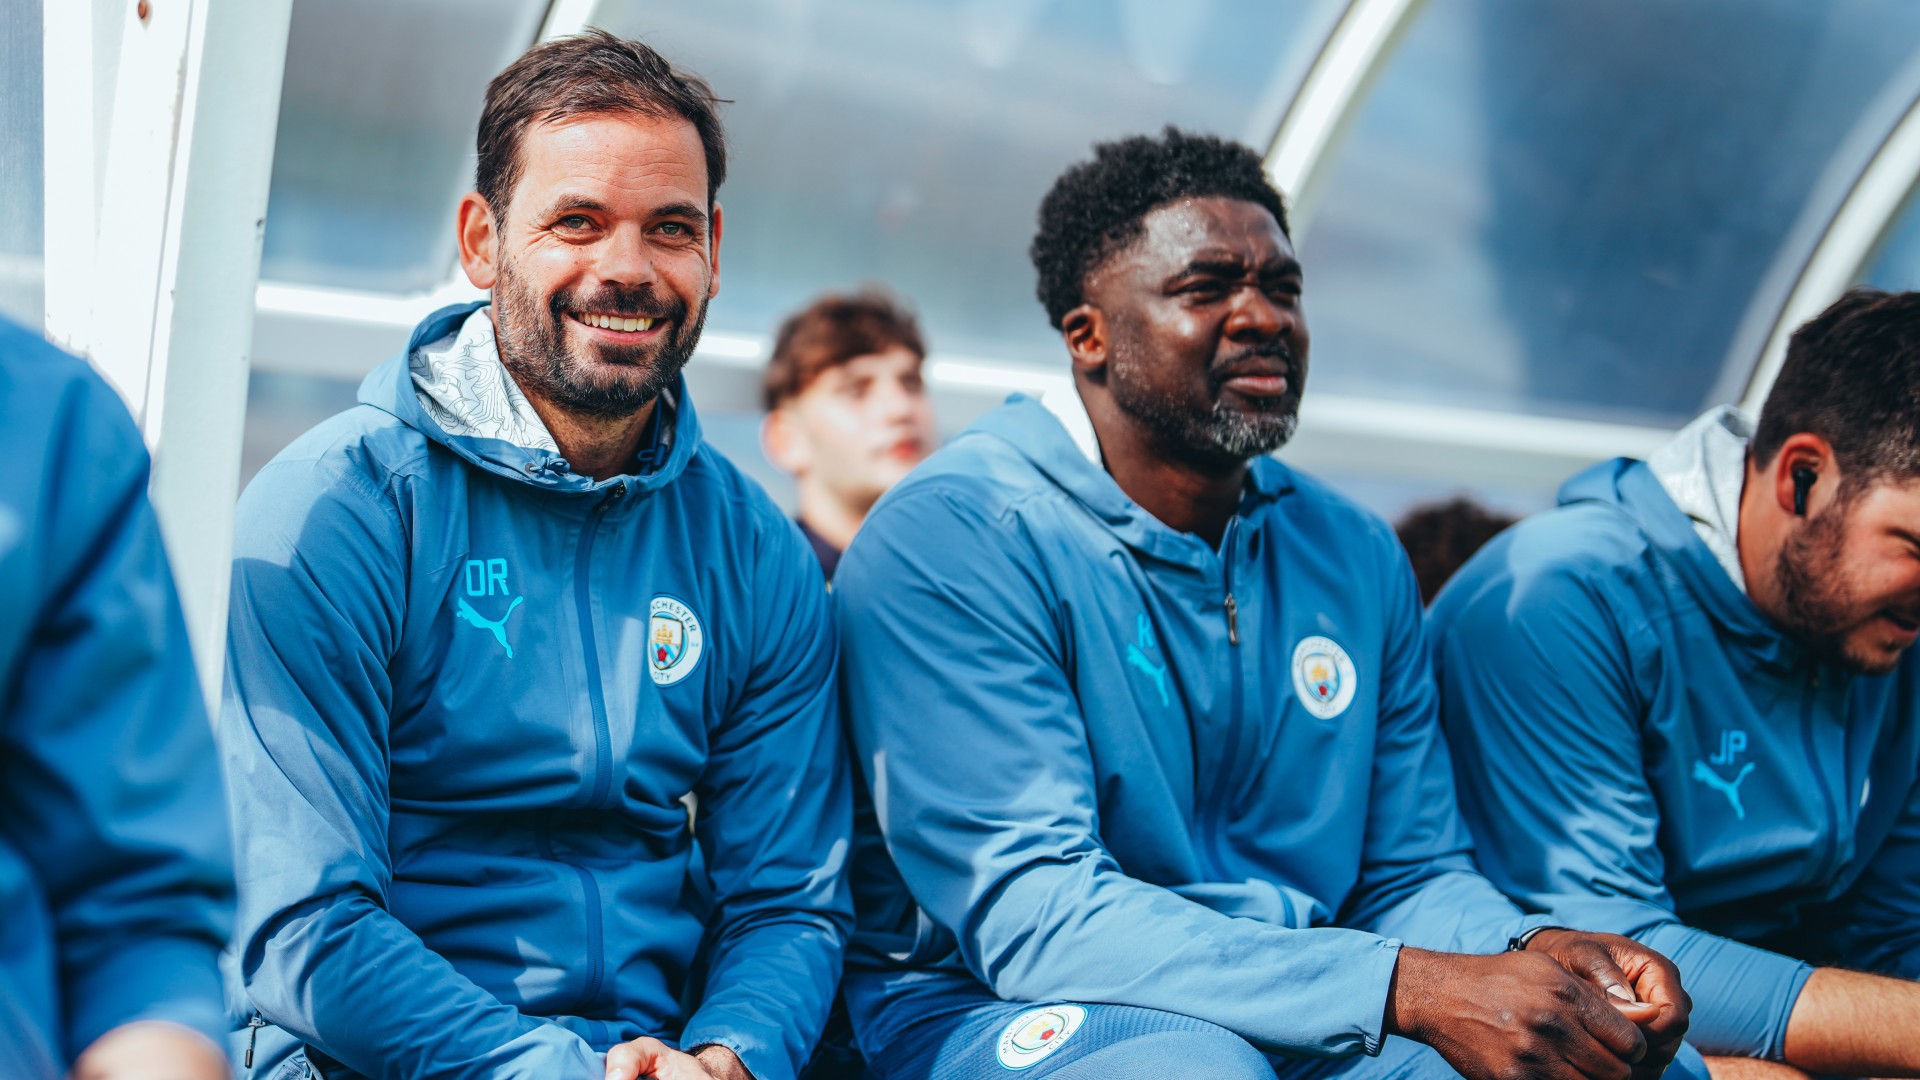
pixel 1219 435
pixel 617 383
pixel 1816 605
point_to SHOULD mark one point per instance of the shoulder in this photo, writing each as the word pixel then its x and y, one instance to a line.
pixel 345 469
pixel 977 478
pixel 717 489
pixel 1328 519
pixel 53 403
pixel 1588 545
pixel 1580 571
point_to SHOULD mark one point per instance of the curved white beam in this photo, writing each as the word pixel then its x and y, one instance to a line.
pixel 1851 236
pixel 1328 97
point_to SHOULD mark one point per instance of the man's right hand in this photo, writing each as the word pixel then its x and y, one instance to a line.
pixel 1510 1015
pixel 644 1058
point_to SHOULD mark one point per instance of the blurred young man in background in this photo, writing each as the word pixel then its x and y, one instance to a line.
pixel 116 866
pixel 1684 705
pixel 532 726
pixel 847 411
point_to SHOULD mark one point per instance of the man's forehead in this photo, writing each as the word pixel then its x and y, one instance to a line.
pixel 895 359
pixel 1214 230
pixel 613 154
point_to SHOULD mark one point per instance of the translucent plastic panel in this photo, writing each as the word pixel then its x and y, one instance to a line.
pixel 21 155
pixel 1897 264
pixel 377 121
pixel 908 142
pixel 1567 208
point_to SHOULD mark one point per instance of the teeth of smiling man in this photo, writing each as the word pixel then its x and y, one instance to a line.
pixel 610 322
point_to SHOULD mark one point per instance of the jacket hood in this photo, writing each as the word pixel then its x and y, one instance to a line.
pixel 1057 437
pixel 493 431
pixel 1633 488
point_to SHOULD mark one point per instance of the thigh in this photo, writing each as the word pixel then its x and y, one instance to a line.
pixel 953 1029
pixel 1399 1059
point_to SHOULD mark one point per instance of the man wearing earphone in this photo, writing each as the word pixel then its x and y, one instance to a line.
pixel 1683 706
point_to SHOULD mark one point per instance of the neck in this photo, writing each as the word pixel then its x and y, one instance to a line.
pixel 828 515
pixel 1192 497
pixel 599 447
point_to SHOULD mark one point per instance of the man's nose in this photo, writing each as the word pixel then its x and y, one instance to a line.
pixel 1255 316
pixel 625 258
pixel 896 399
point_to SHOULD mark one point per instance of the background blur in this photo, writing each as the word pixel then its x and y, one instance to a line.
pixel 1536 232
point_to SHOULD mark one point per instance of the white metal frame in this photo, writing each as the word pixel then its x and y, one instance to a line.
pixel 167 175
pixel 1850 238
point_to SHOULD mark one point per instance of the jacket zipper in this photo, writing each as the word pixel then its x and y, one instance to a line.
pixel 603 737
pixel 254 1024
pixel 1831 836
pixel 1230 751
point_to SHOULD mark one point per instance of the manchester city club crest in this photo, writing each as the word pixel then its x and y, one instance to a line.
pixel 674 641
pixel 1037 1033
pixel 1323 676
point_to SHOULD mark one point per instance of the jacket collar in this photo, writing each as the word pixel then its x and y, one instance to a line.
pixel 1057 437
pixel 391 388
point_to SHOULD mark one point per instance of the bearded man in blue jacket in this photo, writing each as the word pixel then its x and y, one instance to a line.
pixel 1684 707
pixel 1149 727
pixel 116 871
pixel 532 727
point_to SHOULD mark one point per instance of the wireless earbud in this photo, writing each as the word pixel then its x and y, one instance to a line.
pixel 1803 481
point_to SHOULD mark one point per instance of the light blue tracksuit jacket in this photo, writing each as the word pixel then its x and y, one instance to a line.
pixel 1114 764
pixel 1642 751
pixel 470 694
pixel 116 871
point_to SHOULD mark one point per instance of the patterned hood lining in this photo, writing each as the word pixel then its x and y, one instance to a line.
pixel 464 388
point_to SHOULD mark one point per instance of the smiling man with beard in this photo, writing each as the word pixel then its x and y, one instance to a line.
pixel 1147 717
pixel 531 721
pixel 1684 705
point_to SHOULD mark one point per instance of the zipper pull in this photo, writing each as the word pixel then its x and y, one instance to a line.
pixel 254 1024
pixel 1233 620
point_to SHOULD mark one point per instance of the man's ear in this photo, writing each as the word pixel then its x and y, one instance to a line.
pixel 1085 331
pixel 784 443
pixel 1809 452
pixel 478 236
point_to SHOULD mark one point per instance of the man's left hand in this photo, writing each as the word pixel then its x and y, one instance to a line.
pixel 1642 984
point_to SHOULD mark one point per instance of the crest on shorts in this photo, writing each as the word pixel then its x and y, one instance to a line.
pixel 1035 1034
pixel 674 641
pixel 1323 676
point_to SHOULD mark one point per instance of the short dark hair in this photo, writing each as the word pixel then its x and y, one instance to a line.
pixel 1441 536
pixel 1852 377
pixel 1096 207
pixel 581 75
pixel 829 332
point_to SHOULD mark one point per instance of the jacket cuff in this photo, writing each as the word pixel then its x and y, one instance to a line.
pixel 1742 996
pixel 760 1048
pixel 172 980
pixel 1378 965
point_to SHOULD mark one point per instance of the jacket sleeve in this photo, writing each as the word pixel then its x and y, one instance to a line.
pixel 318 587
pixel 1540 707
pixel 108 786
pixel 961 708
pixel 1418 881
pixel 774 823
pixel 1876 925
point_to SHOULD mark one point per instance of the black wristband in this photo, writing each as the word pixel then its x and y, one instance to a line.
pixel 1520 941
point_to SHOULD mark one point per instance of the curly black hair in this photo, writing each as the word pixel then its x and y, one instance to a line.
pixel 1096 207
